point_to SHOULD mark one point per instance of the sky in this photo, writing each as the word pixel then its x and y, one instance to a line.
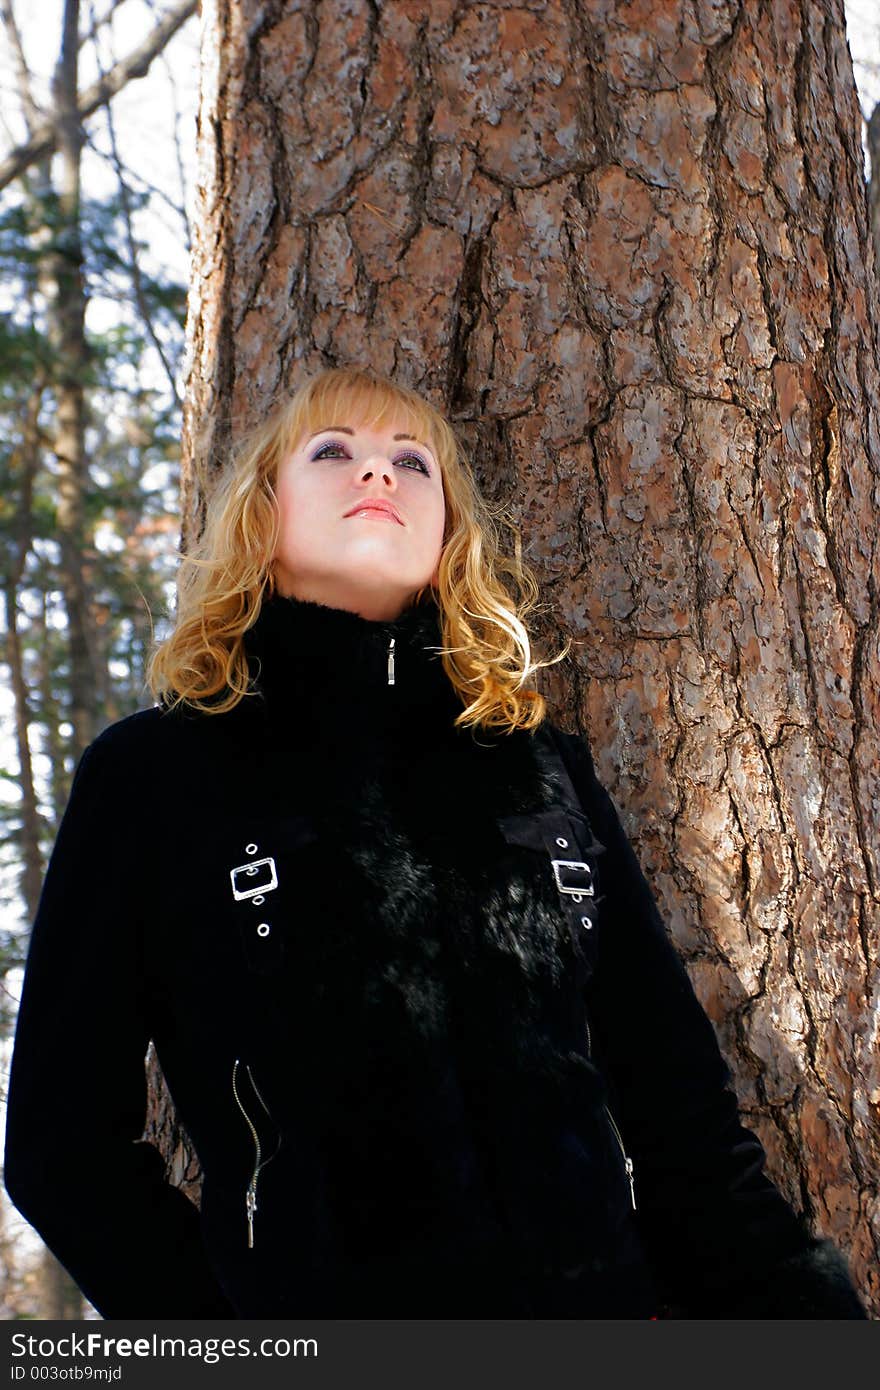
pixel 863 35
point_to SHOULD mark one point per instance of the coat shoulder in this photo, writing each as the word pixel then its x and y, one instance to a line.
pixel 148 732
pixel 132 730
pixel 145 734
pixel 576 753
pixel 570 741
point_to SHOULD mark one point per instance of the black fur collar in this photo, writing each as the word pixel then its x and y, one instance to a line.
pixel 335 728
pixel 310 660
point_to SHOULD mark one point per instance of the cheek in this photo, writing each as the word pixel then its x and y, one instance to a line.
pixel 440 515
pixel 297 498
pixel 293 505
pixel 428 514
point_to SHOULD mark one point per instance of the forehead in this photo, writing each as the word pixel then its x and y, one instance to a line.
pixel 355 429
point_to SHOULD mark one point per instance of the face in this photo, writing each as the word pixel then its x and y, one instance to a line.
pixel 335 545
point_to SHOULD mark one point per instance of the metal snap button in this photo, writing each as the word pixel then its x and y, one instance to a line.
pixel 563 844
pixel 263 929
pixel 585 922
pixel 250 849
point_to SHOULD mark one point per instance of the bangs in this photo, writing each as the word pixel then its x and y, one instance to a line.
pixel 355 398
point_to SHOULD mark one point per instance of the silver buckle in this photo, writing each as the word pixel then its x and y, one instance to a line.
pixel 249 870
pixel 579 891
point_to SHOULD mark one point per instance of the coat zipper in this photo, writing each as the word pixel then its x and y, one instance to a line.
pixel 391 642
pixel 251 1193
pixel 628 1163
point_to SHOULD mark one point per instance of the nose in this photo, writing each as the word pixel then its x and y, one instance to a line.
pixel 377 466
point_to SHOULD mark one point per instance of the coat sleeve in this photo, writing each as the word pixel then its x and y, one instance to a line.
pixel 75 1165
pixel 720 1237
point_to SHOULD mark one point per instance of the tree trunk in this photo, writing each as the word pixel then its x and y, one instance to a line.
pixel 66 310
pixel 26 456
pixel 61 281
pixel 626 247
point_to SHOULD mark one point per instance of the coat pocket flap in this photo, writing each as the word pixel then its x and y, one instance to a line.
pixel 533 830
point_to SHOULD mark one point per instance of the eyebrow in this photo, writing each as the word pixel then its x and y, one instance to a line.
pixel 344 429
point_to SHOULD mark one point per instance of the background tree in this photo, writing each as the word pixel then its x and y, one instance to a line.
pixel 627 247
pixel 86 432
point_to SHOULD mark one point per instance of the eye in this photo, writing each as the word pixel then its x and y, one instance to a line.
pixel 410 460
pixel 331 444
pixel 419 462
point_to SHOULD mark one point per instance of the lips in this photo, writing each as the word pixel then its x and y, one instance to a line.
pixel 376 504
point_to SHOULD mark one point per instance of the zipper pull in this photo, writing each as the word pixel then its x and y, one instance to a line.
pixel 391 661
pixel 251 1203
pixel 632 1186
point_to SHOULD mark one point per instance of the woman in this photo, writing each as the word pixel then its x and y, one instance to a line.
pixel 407 984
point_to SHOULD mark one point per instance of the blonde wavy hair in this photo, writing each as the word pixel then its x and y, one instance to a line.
pixel 483 593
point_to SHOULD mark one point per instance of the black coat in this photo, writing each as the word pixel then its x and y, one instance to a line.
pixel 328 910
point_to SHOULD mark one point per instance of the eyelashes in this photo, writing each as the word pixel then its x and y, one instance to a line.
pixel 421 463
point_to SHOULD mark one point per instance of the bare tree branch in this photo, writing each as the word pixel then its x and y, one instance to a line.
pixel 178 151
pixel 136 179
pixel 32 112
pixel 134 265
pixel 44 139
pixel 98 24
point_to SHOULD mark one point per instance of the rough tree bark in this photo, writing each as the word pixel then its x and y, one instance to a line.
pixel 874 183
pixel 626 246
